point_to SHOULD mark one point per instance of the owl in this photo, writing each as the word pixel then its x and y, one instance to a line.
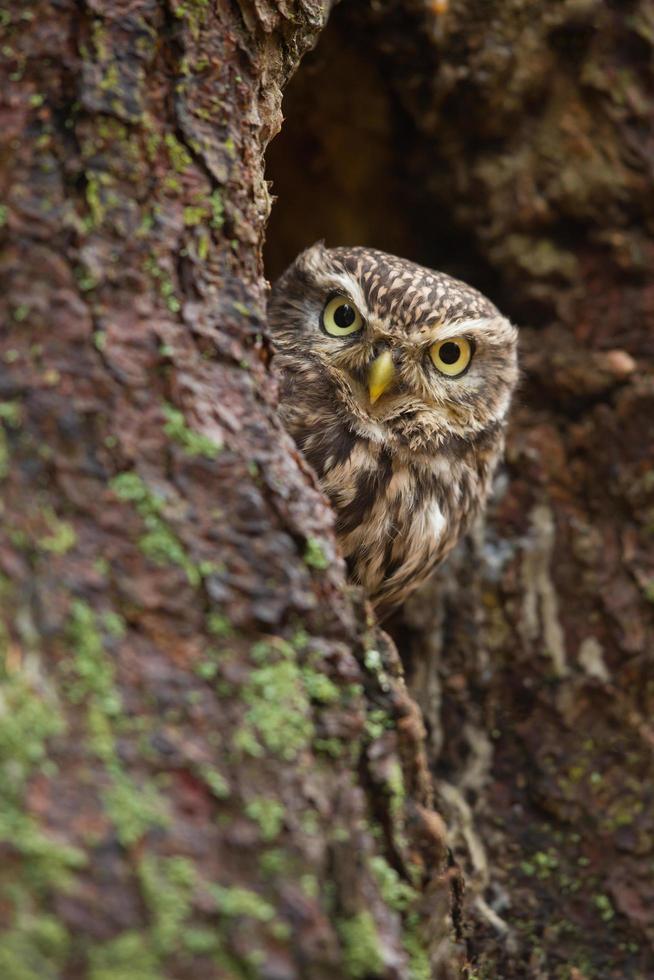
pixel 395 382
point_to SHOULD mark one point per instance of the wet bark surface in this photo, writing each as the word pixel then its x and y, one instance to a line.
pixel 209 764
pixel 517 140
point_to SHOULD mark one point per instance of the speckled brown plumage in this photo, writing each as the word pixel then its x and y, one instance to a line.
pixel 406 474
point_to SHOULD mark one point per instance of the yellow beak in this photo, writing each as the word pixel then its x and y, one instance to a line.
pixel 381 373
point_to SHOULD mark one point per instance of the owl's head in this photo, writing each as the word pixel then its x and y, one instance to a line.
pixel 398 353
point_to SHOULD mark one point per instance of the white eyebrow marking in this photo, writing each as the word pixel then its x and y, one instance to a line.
pixel 351 287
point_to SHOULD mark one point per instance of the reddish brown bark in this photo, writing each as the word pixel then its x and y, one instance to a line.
pixel 517 140
pixel 210 765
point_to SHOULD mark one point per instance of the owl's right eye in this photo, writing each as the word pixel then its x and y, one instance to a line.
pixel 340 318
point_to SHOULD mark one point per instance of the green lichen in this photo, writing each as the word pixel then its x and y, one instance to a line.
pixel 320 688
pixel 179 156
pixel 217 210
pixel 35 948
pixel 194 12
pixel 31 944
pixel 396 893
pixel 163 283
pixel 159 543
pixel 361 946
pixel 127 957
pixel 168 885
pixel 603 905
pixel 278 711
pixel 134 808
pixel 11 414
pixel 194 443
pixel 218 624
pixel 236 901
pixel 268 814
pixel 315 556
pixel 61 537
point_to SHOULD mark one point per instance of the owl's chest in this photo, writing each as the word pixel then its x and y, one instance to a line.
pixel 394 519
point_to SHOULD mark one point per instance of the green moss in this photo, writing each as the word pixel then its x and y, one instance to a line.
pixel 275 862
pixel 168 885
pixel 202 941
pixel 11 414
pixel 217 210
pixel 395 892
pixel 314 555
pixel 34 949
pixel 319 687
pixel 93 669
pixel 61 537
pixel 333 747
pixel 238 901
pixel 361 946
pixel 4 215
pixel 11 417
pixel 127 957
pixel 194 12
pixel 159 543
pixel 215 781
pixel 218 624
pixel 133 808
pixel 269 814
pixel 419 965
pixel 179 156
pixel 194 443
pixel 278 709
pixel 377 722
pixel 30 716
pixel 194 214
pixel 603 905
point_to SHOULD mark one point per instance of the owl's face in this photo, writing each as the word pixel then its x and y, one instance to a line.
pixel 402 355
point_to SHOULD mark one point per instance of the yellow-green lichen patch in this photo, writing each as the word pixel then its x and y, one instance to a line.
pixel 61 535
pixel 193 442
pixel 129 955
pixel 159 543
pixel 30 716
pixel 90 678
pixel 268 814
pixel 10 418
pixel 361 948
pixel 35 948
pixel 278 712
pixel 314 555
pixel 168 885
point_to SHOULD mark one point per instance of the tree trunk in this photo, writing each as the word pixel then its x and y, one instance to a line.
pixel 512 144
pixel 210 765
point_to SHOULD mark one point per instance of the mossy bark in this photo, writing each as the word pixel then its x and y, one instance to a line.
pixel 209 763
pixel 512 142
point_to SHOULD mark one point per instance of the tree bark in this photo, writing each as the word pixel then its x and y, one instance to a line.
pixel 513 144
pixel 210 765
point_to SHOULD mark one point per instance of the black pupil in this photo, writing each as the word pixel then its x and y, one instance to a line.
pixel 450 353
pixel 344 316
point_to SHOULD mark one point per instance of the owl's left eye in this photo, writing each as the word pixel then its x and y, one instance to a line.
pixel 451 357
pixel 340 318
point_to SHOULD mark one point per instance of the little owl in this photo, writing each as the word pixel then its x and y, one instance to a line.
pixel 395 384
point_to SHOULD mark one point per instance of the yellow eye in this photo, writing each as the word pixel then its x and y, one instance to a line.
pixel 451 357
pixel 340 318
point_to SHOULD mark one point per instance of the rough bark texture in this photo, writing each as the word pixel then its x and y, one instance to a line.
pixel 209 764
pixel 511 143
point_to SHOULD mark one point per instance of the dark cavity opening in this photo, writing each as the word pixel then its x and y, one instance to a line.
pixel 351 165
